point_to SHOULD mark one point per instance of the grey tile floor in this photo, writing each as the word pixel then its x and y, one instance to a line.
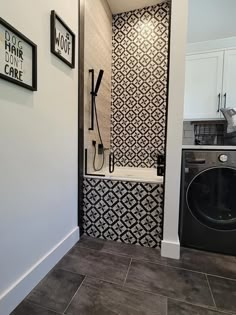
pixel 100 277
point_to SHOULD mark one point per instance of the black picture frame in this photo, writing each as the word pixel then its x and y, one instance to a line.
pixel 33 86
pixel 54 18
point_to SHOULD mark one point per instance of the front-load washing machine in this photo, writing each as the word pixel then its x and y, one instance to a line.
pixel 208 200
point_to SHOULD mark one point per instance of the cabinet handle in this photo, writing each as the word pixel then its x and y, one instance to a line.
pixel 225 98
pixel 218 110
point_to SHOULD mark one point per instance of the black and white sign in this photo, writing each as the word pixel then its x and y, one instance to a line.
pixel 18 57
pixel 62 40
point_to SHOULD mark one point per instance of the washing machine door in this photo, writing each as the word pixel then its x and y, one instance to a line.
pixel 211 198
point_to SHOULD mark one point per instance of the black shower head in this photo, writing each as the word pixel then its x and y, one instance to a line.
pixel 100 75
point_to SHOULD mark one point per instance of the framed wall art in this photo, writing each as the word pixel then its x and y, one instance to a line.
pixel 18 57
pixel 62 40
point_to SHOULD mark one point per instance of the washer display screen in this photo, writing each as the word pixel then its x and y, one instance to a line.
pixel 211 197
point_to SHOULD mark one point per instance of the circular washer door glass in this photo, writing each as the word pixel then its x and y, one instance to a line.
pixel 211 197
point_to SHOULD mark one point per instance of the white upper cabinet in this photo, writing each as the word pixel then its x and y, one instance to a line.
pixel 229 79
pixel 203 85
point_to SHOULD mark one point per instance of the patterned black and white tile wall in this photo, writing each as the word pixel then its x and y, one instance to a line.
pixel 139 85
pixel 122 211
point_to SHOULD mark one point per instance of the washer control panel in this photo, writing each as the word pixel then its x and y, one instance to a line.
pixel 223 158
pixel 203 159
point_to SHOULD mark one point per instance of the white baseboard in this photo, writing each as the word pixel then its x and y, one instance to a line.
pixel 22 287
pixel 170 249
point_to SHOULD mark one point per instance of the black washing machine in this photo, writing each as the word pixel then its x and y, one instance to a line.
pixel 208 201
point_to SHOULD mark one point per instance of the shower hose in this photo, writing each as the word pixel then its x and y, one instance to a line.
pixel 100 138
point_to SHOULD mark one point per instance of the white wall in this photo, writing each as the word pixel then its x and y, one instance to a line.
pixel 211 19
pixel 38 158
pixel 170 243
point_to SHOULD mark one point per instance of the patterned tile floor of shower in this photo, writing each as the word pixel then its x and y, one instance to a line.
pixel 99 277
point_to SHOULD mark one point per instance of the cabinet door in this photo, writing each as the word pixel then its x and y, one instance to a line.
pixel 203 85
pixel 229 81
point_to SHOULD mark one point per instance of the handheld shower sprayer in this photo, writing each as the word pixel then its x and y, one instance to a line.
pixel 99 80
pixel 94 92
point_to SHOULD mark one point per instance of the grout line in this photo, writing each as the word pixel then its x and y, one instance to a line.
pixel 182 268
pixel 210 291
pixel 91 276
pixel 131 289
pixel 127 271
pixel 172 298
pixel 74 295
pixel 159 262
pixel 41 306
pixel 216 276
pixel 74 272
pixel 145 291
pixel 210 308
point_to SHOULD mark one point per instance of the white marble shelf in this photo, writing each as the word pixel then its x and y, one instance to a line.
pixel 209 147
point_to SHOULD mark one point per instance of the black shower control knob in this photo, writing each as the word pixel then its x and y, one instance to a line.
pixel 161 159
pixel 160 171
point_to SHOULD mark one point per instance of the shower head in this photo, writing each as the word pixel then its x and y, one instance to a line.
pixel 100 75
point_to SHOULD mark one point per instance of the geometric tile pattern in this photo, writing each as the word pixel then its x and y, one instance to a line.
pixel 139 85
pixel 128 212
